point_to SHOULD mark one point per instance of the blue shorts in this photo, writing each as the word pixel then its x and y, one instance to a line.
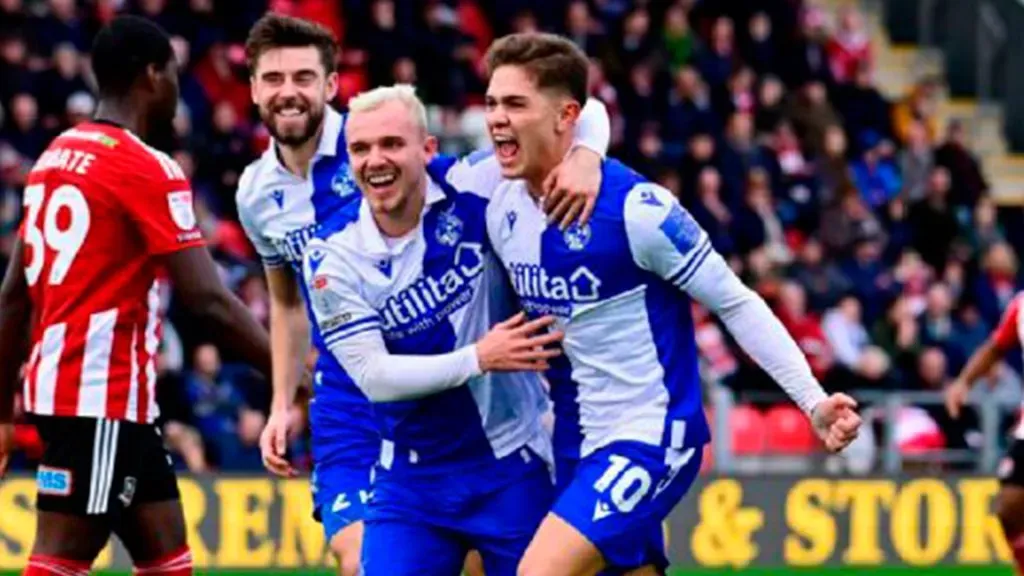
pixel 340 494
pixel 618 496
pixel 425 525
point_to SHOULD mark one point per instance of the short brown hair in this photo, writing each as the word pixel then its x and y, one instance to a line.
pixel 553 62
pixel 280 31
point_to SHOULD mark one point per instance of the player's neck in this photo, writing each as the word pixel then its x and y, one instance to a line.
pixel 123 114
pixel 545 165
pixel 298 158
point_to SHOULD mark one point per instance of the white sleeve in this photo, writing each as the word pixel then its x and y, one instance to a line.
pixel 480 173
pixel 351 330
pixel 666 240
pixel 594 129
pixel 271 258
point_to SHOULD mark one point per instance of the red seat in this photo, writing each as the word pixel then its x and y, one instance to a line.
pixel 747 426
pixel 789 431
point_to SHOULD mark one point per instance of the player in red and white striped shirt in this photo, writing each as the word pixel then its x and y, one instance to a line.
pixel 106 216
pixel 1010 504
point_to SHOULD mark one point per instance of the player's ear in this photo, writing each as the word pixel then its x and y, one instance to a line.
pixel 568 115
pixel 430 146
pixel 331 86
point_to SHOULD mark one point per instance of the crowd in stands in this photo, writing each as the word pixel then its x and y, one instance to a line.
pixel 865 223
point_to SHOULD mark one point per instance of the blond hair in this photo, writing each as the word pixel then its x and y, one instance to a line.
pixel 404 93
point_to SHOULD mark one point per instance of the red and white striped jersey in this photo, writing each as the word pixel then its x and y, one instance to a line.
pixel 101 208
pixel 1009 335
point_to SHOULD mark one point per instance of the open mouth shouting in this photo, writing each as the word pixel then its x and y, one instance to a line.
pixel 506 147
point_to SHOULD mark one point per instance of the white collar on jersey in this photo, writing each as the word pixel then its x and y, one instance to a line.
pixel 334 123
pixel 371 235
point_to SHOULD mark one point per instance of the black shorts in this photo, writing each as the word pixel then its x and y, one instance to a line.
pixel 1011 468
pixel 94 467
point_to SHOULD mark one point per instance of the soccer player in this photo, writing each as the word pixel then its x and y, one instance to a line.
pixel 301 180
pixel 405 290
pixel 629 422
pixel 1010 503
pixel 106 215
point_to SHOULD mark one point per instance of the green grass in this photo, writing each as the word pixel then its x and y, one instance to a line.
pixel 883 571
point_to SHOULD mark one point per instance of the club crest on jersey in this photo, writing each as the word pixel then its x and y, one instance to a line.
pixel 343 184
pixel 449 228
pixel 180 205
pixel 577 237
pixel 278 196
pixel 53 481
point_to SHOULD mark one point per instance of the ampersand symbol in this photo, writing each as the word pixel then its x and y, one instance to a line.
pixel 725 533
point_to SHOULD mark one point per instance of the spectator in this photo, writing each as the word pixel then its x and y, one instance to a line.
pixel 711 212
pixel 997 282
pixel 863 107
pixel 899 335
pixel 811 115
pixel 833 165
pixel 916 162
pixel 763 47
pixel 966 179
pixel 677 37
pixel 805 328
pixel 225 419
pixel 718 61
pixel 757 224
pixel 871 281
pixel 821 278
pixel 15 76
pixel 849 49
pixel 689 111
pixel 769 105
pixel 937 321
pixel 740 154
pixel 919 105
pixel 845 332
pixel 846 221
pixel 23 131
pixel 985 229
pixel 810 60
pixel 933 221
pixel 875 176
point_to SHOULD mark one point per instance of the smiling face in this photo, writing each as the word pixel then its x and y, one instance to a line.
pixel 291 87
pixel 388 151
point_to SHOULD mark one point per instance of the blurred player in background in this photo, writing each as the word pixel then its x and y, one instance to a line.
pixel 629 423
pixel 301 180
pixel 1010 503
pixel 105 215
pixel 405 289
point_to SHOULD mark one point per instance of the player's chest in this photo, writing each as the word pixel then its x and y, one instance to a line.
pixel 555 271
pixel 433 276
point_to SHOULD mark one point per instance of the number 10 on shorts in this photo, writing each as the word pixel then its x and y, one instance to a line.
pixel 626 483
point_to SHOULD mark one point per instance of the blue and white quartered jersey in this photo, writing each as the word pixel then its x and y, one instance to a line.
pixel 281 212
pixel 436 291
pixel 618 287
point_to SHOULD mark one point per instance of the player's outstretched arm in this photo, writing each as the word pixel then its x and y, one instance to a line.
pixel 197 283
pixel 666 240
pixel 984 358
pixel 15 314
pixel 352 331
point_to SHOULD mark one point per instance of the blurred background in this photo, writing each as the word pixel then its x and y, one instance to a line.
pixel 854 171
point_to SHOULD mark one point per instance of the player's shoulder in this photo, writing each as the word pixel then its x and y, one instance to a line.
pixel 340 225
pixel 149 162
pixel 476 173
pixel 248 183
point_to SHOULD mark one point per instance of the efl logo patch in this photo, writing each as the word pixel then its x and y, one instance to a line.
pixel 53 481
pixel 180 205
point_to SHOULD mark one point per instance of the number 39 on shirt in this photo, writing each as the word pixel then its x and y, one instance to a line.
pixel 61 225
